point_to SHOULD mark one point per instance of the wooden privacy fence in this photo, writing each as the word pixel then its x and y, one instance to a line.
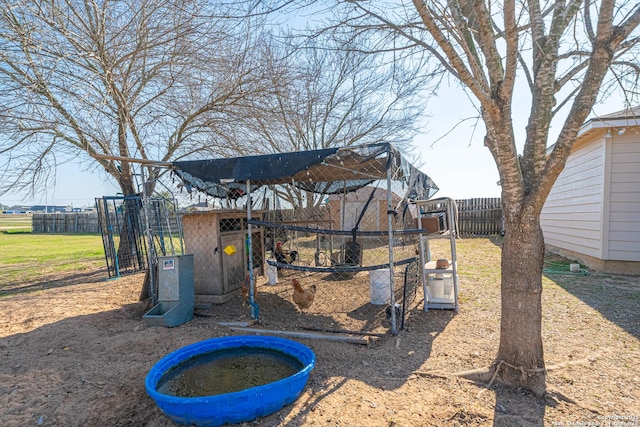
pixel 71 222
pixel 481 216
pixel 65 222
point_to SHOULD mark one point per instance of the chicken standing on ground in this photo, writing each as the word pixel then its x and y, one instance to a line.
pixel 303 298
pixel 245 291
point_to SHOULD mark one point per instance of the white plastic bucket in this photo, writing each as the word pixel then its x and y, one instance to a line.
pixel 436 286
pixel 379 282
pixel 448 287
pixel 440 288
pixel 272 274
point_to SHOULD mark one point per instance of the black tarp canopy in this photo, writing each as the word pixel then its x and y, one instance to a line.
pixel 323 171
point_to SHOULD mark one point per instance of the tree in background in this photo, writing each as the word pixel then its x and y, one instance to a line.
pixel 104 81
pixel 113 80
pixel 155 80
pixel 328 93
pixel 333 95
pixel 564 52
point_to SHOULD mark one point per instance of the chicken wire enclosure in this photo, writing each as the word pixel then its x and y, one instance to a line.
pixel 342 235
pixel 164 225
pixel 218 241
pixel 123 238
pixel 128 223
pixel 334 212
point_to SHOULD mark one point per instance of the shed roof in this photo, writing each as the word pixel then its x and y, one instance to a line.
pixel 628 113
pixel 619 119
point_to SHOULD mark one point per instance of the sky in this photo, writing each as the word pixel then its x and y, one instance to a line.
pixel 449 151
pixel 452 153
pixel 75 186
pixel 456 160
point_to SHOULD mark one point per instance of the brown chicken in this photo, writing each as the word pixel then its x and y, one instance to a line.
pixel 303 297
pixel 245 291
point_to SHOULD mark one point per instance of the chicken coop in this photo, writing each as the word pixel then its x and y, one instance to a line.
pixel 335 212
pixel 217 239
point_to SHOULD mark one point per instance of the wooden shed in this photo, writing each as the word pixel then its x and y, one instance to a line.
pixel 217 240
pixel 592 214
pixel 346 210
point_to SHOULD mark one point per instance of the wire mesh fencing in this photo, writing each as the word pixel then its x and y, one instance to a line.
pixel 135 230
pixel 341 214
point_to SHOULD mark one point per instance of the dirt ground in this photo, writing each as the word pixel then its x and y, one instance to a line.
pixel 75 351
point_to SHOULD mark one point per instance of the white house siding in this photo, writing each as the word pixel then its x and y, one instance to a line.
pixel 572 217
pixel 624 200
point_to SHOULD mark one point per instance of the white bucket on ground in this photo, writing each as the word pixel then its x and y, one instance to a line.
pixel 272 274
pixel 379 282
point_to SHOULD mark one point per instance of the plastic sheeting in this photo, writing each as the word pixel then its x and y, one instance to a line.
pixel 324 171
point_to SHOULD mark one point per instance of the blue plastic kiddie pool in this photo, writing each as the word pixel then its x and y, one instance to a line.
pixel 238 406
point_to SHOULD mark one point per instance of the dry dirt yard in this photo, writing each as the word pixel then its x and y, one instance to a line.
pixel 75 352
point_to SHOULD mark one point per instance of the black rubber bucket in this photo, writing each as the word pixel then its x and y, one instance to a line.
pixel 353 253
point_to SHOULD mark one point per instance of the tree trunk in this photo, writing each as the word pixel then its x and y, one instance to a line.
pixel 520 359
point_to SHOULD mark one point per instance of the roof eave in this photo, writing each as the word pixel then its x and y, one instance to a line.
pixel 595 124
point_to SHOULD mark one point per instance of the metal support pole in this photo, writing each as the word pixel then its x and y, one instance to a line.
pixel 150 246
pixel 255 309
pixel 392 299
pixel 452 224
pixel 422 261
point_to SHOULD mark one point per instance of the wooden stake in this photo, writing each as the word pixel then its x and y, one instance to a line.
pixel 307 335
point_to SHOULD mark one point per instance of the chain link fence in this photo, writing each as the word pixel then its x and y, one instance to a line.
pixel 321 215
pixel 136 230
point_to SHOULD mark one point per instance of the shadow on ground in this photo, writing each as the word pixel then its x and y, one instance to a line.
pixel 615 297
pixel 64 280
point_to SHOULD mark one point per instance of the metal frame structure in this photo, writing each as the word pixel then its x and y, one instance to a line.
pixel 445 230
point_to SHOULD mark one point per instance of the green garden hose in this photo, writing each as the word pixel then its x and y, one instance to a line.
pixel 562 268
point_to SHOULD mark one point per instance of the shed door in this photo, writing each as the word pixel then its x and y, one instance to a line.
pixel 233 266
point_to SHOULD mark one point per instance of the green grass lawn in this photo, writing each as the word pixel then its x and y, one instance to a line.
pixel 15 223
pixel 32 257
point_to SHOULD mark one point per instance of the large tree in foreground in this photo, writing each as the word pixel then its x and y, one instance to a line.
pixel 151 79
pixel 564 52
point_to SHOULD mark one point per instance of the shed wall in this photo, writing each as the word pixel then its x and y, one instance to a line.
pixel 572 217
pixel 623 243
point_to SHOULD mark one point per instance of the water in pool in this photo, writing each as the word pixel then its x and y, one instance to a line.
pixel 226 371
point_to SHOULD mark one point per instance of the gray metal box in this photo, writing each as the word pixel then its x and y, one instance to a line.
pixel 175 292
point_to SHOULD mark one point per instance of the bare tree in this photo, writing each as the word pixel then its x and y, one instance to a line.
pixel 564 52
pixel 152 79
pixel 329 92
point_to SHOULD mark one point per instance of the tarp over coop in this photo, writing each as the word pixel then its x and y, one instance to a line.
pixel 339 210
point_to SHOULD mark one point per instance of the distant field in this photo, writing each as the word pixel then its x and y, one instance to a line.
pixel 15 223
pixel 28 257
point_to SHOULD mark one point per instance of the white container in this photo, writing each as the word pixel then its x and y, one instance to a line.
pixel 379 283
pixel 272 274
pixel 440 288
pixel 574 268
pixel 436 286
